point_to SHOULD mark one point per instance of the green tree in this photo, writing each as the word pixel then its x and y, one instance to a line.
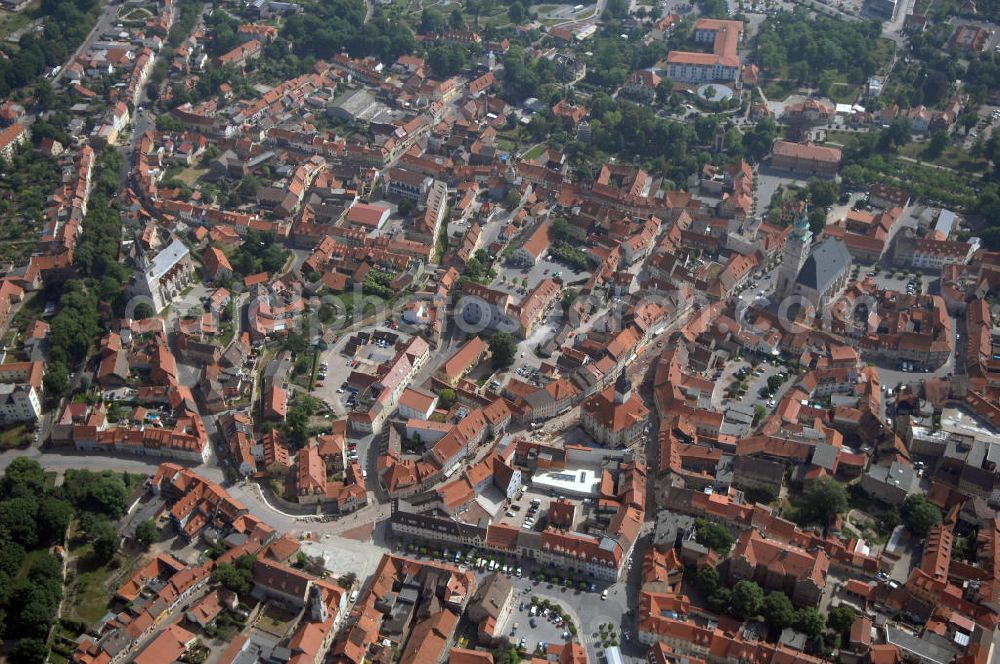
pixel 446 397
pixel 105 540
pixel 823 500
pixel 107 496
pixel 757 142
pixel 295 343
pixel 712 535
pixel 29 651
pixel 143 311
pixel 560 230
pixel 937 144
pixel 23 477
pixel 840 618
pixel 664 89
pixel 897 133
pixel 759 413
pixel 822 193
pixel 503 348
pixel 512 199
pixel 817 220
pixel 778 611
pixel 11 556
pixel 516 13
pixel 17 517
pixel 432 20
pixel 721 601
pixel 748 599
pixel 809 621
pixel 146 533
pixel 232 577
pixel 52 520
pixel 707 579
pixel 297 426
pixel 616 8
pixel 56 380
pixel 247 187
pixel 919 515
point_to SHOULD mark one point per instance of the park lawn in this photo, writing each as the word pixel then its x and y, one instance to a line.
pixel 838 138
pixel 505 144
pixel 18 435
pixel 274 620
pixel 777 89
pixel 191 174
pixel 12 21
pixel 534 152
pixel 90 590
pixel 498 18
pixel 778 86
pixel 228 330
pixel 844 93
pixel 28 561
pixel 953 156
pixel 30 311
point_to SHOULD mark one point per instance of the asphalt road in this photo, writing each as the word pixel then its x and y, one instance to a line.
pixel 104 22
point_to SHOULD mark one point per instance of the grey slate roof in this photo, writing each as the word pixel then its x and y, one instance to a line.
pixel 825 264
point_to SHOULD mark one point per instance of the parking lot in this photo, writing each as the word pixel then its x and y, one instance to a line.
pixel 525 513
pixel 543 269
pixel 531 626
pixel 588 606
pixel 338 368
pixel 903 281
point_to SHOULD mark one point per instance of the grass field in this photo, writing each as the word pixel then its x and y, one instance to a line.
pixel 954 156
pixel 274 620
pixel 777 85
pixel 18 435
pixel 534 152
pixel 777 89
pixel 11 21
pixel 90 590
pixel 191 174
pixel 89 586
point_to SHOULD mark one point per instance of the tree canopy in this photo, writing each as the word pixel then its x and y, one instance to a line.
pixel 748 599
pixel 822 501
pixel 919 515
pixel 503 348
pixel 34 515
pixel 712 535
pixel 778 611
pixel 146 533
pixel 802 47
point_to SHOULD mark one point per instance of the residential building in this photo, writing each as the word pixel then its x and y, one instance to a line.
pixel 164 276
pixel 780 567
pixel 615 417
pixel 805 159
pixel 722 64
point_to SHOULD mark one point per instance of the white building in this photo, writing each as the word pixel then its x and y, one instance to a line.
pixel 166 275
pixel 20 386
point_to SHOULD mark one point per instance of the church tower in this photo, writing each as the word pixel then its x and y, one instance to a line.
pixel 794 256
pixel 317 606
pixel 623 389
